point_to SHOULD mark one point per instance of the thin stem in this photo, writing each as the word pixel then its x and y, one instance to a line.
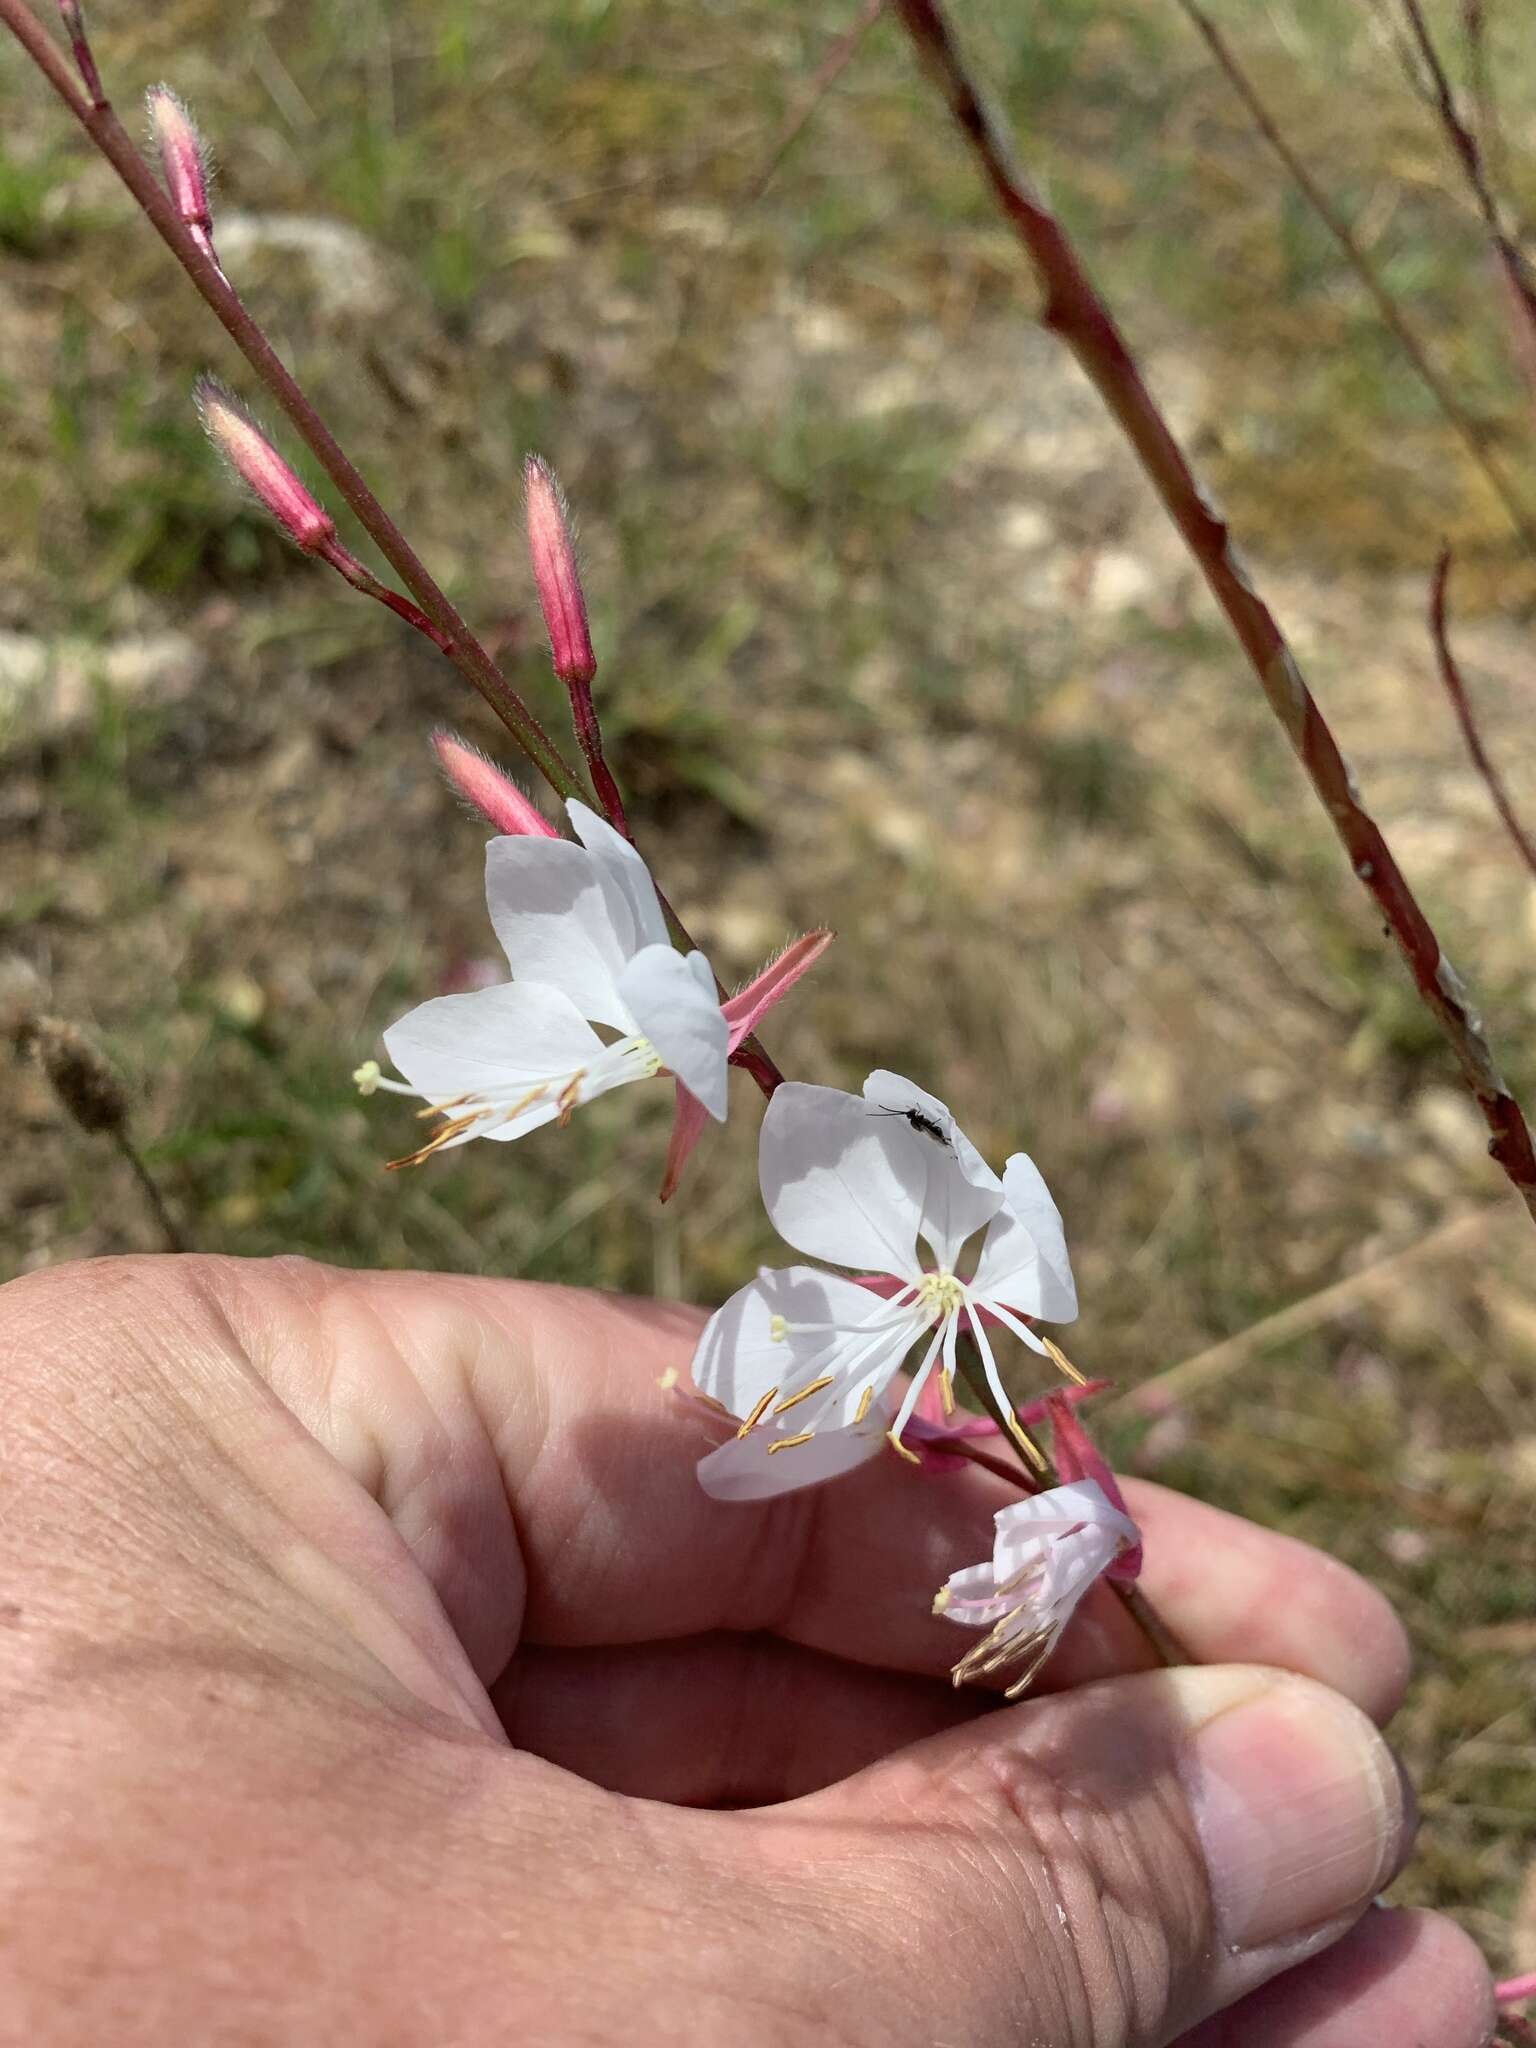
pixel 1170 1650
pixel 149 1188
pixel 101 124
pixel 80 47
pixel 1472 433
pixel 1461 704
pixel 820 83
pixel 1468 154
pixel 439 617
pixel 1074 310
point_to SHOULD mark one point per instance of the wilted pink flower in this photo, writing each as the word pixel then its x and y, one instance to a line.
pixel 553 549
pixel 495 796
pixel 185 159
pixel 1047 1551
pixel 261 469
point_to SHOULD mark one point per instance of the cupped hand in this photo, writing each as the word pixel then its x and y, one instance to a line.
pixel 373 1669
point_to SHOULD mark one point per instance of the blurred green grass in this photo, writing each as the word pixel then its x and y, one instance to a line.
pixel 890 639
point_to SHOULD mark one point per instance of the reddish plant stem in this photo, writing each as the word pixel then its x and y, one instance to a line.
pixel 351 570
pixel 1472 433
pixel 101 124
pixel 1468 153
pixel 79 43
pixel 821 82
pixel 438 618
pixel 1074 311
pixel 1461 704
pixel 589 737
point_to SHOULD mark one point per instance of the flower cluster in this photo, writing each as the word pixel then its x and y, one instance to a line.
pixel 928 1256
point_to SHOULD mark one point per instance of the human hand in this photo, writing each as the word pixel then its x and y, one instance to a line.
pixel 372 1668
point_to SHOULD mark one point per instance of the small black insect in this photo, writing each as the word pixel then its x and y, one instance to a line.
pixel 920 1122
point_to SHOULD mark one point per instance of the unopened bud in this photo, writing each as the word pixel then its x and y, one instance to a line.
pixel 260 468
pixel 81 1075
pixel 494 795
pixel 553 548
pixel 183 154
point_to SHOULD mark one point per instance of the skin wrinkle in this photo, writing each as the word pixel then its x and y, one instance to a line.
pixel 428 1884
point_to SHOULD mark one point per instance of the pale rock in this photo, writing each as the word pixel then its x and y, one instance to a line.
pixel 48 686
pixel 348 275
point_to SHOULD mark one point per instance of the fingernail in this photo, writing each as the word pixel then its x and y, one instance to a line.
pixel 1299 1805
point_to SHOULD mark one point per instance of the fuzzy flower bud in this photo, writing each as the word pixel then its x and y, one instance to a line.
pixel 261 469
pixel 183 155
pixel 483 786
pixel 82 1077
pixel 552 547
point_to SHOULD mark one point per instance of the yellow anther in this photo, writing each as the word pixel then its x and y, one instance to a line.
pixel 1027 1444
pixel 759 1412
pixel 668 1379
pixel 367 1077
pixel 453 1129
pixel 804 1394
pixel 787 1443
pixel 947 1393
pixel 1062 1363
pixel 896 1444
pixel 865 1398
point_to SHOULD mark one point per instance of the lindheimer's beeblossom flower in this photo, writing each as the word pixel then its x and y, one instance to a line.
pixel 1047 1551
pixel 583 932
pixel 885 1182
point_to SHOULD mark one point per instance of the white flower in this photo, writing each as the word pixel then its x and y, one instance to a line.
pixel 1047 1552
pixel 866 1181
pixel 584 935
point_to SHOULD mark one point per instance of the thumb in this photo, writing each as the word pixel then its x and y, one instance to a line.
pixel 1103 1868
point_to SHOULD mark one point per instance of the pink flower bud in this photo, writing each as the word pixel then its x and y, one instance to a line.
pixel 553 549
pixel 183 154
pixel 483 785
pixel 261 469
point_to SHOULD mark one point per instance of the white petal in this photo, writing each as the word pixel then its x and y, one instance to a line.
pixel 1024 1263
pixel 674 1002
pixel 624 878
pixel 976 1588
pixel 491 1042
pixel 1030 1200
pixel 1021 1526
pixel 553 920
pixel 738 1359
pixel 745 1468
pixel 955 1191
pixel 833 1182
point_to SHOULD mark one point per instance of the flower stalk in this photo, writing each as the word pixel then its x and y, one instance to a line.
pixel 1074 311
pixel 433 612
